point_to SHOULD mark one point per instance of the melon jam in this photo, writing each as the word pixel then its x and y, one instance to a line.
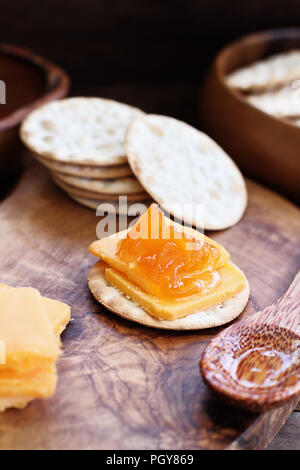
pixel 169 263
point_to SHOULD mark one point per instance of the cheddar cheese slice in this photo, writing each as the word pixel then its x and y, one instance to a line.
pixel 232 282
pixel 16 397
pixel 40 383
pixel 26 330
pixel 58 312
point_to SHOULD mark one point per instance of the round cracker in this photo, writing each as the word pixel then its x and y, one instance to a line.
pixel 271 72
pixel 186 172
pixel 86 171
pixel 79 130
pixel 129 185
pixel 116 302
pixel 93 195
pixel 112 206
pixel 279 103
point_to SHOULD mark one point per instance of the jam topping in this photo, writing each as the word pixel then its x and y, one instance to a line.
pixel 173 263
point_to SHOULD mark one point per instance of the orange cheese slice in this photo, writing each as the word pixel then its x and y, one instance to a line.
pixel 232 282
pixel 39 383
pixel 58 312
pixel 14 392
pixel 26 330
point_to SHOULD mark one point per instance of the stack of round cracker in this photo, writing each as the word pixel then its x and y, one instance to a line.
pixel 98 150
pixel 81 141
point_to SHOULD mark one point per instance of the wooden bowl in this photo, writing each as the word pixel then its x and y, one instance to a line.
pixel 30 81
pixel 265 148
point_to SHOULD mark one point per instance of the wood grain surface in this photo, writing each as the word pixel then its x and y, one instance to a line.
pixel 123 386
pixel 286 439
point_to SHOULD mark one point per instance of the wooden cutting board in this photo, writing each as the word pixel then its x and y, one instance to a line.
pixel 123 386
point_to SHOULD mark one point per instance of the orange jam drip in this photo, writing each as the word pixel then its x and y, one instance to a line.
pixel 170 263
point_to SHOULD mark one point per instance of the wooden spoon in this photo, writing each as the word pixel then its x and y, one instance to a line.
pixel 255 363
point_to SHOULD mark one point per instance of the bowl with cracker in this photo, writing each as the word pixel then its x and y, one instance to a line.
pixel 250 104
pixel 27 81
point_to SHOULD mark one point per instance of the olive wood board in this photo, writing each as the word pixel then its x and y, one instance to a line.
pixel 122 385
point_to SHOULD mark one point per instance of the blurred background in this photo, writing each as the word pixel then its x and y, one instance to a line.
pixel 150 53
pixel 154 54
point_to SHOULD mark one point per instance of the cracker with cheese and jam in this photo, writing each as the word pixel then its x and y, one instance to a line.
pixel 165 275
